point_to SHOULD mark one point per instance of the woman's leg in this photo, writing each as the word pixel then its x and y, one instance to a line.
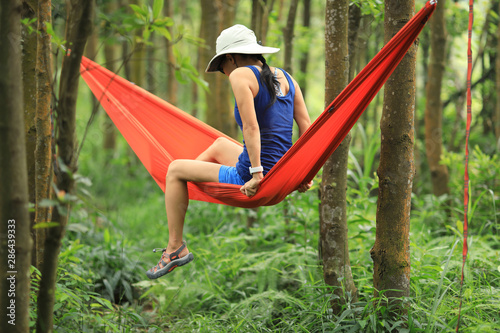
pixel 222 151
pixel 176 194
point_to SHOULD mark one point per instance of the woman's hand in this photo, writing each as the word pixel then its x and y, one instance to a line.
pixel 251 187
pixel 305 186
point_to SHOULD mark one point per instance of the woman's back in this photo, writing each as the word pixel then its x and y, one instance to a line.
pixel 275 123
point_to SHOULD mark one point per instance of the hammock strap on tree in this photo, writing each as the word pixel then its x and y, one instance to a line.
pixel 465 248
pixel 159 132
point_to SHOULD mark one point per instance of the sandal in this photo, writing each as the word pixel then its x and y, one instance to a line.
pixel 168 262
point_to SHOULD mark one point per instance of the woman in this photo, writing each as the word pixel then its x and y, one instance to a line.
pixel 267 102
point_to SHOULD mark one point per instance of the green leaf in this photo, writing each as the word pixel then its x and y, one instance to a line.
pixel 106 236
pixel 157 8
pixel 163 31
pixel 145 34
pixel 460 226
pixel 180 77
pixel 109 289
pixel 140 11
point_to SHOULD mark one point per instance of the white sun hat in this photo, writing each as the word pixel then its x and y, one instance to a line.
pixel 237 39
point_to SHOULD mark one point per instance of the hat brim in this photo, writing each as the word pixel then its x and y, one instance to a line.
pixel 213 65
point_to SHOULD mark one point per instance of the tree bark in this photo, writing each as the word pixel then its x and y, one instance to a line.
pixel 497 110
pixel 138 58
pixel 260 18
pixel 333 216
pixel 288 34
pixel 110 55
pixel 391 251
pixel 172 86
pixel 29 46
pixel 78 29
pixel 219 113
pixel 43 152
pixel 354 22
pixel 15 238
pixel 257 16
pixel 433 109
pixel 304 57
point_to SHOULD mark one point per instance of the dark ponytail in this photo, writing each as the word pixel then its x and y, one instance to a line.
pixel 269 79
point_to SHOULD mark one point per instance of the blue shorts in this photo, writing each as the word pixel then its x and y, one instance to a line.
pixel 229 175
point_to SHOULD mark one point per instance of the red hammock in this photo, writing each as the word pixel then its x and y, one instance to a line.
pixel 159 132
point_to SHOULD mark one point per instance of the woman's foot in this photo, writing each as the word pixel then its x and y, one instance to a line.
pixel 170 261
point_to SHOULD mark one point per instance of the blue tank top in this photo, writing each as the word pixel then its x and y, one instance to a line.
pixel 276 127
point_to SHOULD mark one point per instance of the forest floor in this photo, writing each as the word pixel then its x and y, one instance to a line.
pixel 266 278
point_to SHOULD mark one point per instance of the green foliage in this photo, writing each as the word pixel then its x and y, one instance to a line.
pixel 78 308
pixel 267 278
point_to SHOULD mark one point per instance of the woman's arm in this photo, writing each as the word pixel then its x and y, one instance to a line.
pixel 301 116
pixel 245 88
pixel 300 113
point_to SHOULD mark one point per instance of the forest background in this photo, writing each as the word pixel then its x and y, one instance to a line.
pixel 96 214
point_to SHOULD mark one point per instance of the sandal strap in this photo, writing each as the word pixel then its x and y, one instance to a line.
pixel 175 255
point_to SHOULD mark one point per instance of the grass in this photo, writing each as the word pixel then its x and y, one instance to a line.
pixel 267 278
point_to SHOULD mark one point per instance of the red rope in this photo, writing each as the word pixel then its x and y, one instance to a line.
pixel 467 133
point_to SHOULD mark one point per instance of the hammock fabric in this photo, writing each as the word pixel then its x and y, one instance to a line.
pixel 159 132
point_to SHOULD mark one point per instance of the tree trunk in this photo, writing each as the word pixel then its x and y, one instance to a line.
pixel 304 57
pixel 354 22
pixel 219 107
pixel 433 109
pixel 29 45
pixel 110 55
pixel 138 58
pixel 172 86
pixel 333 217
pixel 288 32
pixel 138 63
pixel 391 251
pixel 257 16
pixel 15 238
pixel 497 110
pixel 260 18
pixel 43 152
pixel 78 29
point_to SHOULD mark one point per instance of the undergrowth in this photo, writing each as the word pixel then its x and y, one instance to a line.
pixel 267 278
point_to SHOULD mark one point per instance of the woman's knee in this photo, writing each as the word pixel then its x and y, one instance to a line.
pixel 219 144
pixel 175 169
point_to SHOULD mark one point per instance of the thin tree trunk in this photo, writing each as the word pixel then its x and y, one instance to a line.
pixel 219 108
pixel 333 212
pixel 29 44
pixel 352 41
pixel 78 29
pixel 391 251
pixel 260 18
pixel 138 58
pixel 110 55
pixel 15 237
pixel 138 63
pixel 419 126
pixel 257 17
pixel 172 86
pixel 497 110
pixel 288 34
pixel 126 49
pixel 209 18
pixel 43 152
pixel 433 109
pixel 304 57
pixel 354 22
